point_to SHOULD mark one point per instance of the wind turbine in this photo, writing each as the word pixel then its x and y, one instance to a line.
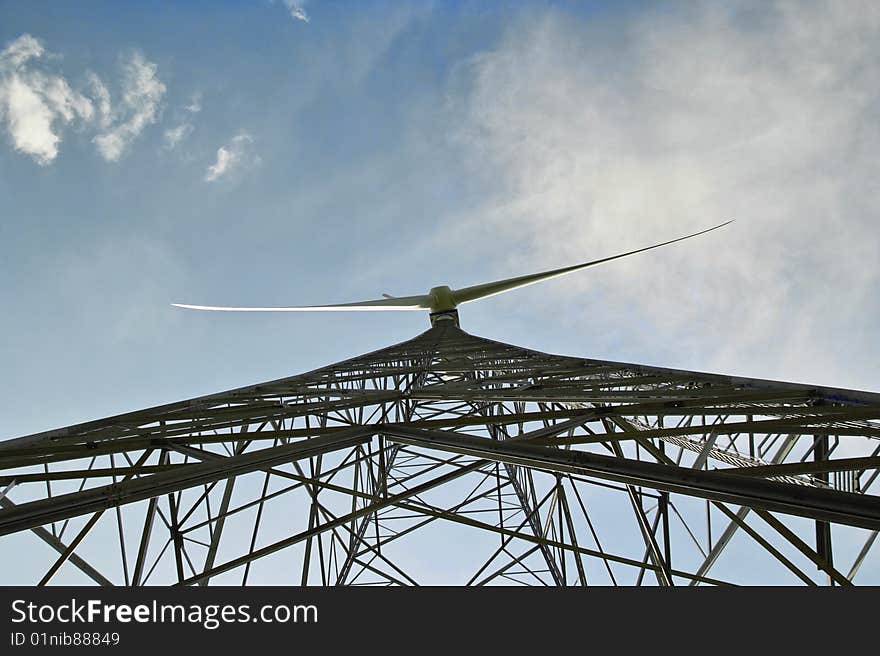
pixel 442 301
pixel 546 452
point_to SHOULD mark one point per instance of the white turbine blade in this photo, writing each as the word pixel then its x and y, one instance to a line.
pixel 467 294
pixel 401 303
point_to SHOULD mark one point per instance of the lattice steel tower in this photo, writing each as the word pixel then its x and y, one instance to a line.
pixel 450 458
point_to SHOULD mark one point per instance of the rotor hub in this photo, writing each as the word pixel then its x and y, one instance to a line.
pixel 442 299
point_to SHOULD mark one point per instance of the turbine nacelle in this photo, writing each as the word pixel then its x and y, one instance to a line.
pixel 442 301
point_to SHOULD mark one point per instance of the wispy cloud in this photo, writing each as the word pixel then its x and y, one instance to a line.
pixel 101 96
pixel 297 10
pixel 183 117
pixel 232 157
pixel 195 104
pixel 764 112
pixel 142 93
pixel 35 104
pixel 173 136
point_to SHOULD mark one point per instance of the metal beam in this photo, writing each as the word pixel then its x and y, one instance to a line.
pixel 827 505
pixel 61 548
pixel 37 513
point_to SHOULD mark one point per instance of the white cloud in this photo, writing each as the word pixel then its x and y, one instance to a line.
pixel 142 93
pixel 102 100
pixel 297 10
pixel 593 144
pixel 35 104
pixel 173 136
pixel 232 157
pixel 21 50
pixel 195 105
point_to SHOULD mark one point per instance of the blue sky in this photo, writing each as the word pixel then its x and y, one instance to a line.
pixel 389 147
pixel 247 156
pixel 345 177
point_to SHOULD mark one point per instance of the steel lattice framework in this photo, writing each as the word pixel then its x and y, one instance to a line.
pixel 514 466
